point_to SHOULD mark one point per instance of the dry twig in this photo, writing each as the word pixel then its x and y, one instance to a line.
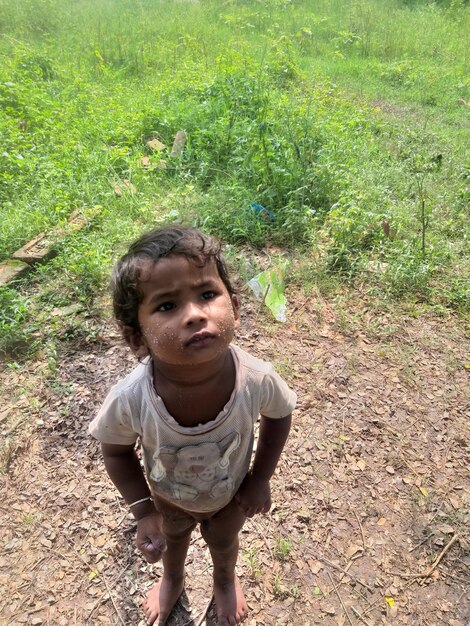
pixel 340 569
pixel 439 558
pixel 263 301
pixel 103 577
pixel 421 543
pixel 339 598
pixel 359 616
pixel 430 569
pixel 103 595
pixel 362 532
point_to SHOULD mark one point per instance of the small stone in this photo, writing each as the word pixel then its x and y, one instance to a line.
pixel 154 144
pixel 303 515
pixel 178 144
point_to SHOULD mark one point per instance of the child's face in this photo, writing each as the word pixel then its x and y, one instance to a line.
pixel 187 316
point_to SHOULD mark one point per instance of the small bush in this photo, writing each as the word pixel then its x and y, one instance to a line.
pixel 15 311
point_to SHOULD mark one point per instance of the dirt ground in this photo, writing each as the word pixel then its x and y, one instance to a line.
pixel 370 521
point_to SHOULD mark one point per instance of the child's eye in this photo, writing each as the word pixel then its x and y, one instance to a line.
pixel 208 295
pixel 165 306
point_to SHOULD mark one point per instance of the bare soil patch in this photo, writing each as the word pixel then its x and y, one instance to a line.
pixel 370 522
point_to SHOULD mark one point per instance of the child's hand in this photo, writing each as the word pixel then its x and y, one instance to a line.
pixel 149 538
pixel 254 495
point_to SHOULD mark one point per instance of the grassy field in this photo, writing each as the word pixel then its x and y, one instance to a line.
pixel 348 120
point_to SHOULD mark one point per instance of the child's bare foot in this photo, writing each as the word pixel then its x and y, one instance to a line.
pixel 161 599
pixel 230 601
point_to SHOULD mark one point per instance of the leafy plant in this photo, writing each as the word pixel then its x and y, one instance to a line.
pixel 282 548
pixel 14 313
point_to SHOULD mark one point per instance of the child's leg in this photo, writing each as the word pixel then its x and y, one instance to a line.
pixel 162 597
pixel 221 535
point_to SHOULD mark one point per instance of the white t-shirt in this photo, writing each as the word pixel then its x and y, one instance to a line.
pixel 198 468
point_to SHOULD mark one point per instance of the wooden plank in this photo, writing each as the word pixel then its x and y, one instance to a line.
pixel 38 249
pixel 42 247
pixel 78 219
pixel 10 270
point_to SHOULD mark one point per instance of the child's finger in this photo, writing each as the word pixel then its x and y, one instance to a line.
pixel 151 556
pixel 152 548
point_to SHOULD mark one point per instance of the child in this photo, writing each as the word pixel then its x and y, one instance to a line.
pixel 193 401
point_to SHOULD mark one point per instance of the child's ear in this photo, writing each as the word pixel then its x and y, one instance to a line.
pixel 236 309
pixel 138 346
pixel 135 341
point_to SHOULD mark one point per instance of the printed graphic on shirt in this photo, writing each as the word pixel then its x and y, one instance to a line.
pixel 192 472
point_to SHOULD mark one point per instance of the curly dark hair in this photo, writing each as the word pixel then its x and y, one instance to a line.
pixel 155 245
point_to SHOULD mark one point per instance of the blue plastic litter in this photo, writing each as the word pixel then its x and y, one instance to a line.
pixel 259 209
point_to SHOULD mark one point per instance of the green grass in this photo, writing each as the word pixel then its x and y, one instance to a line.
pixel 341 117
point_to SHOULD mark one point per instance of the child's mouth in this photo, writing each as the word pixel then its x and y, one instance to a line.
pixel 201 339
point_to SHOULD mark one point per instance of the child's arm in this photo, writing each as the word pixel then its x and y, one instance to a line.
pixel 124 469
pixel 254 495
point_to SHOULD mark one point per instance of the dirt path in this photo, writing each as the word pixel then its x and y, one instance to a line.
pixel 371 497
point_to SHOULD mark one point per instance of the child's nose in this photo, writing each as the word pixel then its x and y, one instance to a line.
pixel 195 312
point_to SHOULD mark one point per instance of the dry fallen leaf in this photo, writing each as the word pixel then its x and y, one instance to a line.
pixel 315 566
pixel 353 549
pixel 446 529
pixel 156 145
pixel 361 464
pixel 455 502
pixel 124 186
pixel 303 515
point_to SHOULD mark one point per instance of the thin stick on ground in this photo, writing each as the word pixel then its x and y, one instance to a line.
pixel 263 300
pixel 358 614
pixel 420 577
pixel 111 596
pixel 339 598
pixel 107 592
pixel 421 542
pixel 344 571
pixel 439 558
pixel 103 577
pixel 371 607
pixel 362 532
